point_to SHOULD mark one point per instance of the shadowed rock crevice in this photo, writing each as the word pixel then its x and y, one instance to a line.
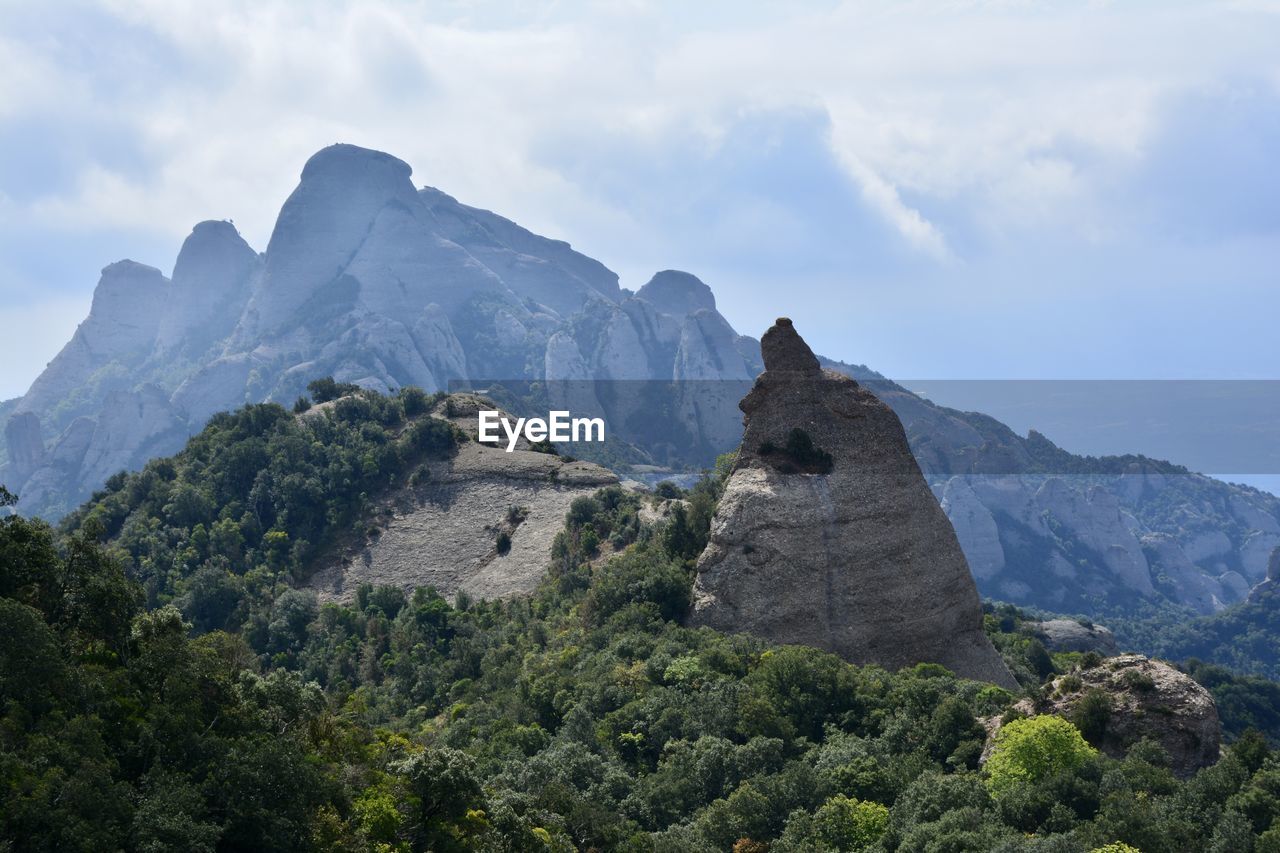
pixel 827 534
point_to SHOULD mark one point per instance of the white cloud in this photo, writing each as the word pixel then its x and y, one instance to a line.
pixel 953 119
pixel 883 197
pixel 938 99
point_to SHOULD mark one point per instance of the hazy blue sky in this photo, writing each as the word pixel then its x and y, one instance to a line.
pixel 957 189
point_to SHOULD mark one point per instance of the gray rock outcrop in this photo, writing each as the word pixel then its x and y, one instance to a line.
pixel 677 293
pixel 975 528
pixel 1068 635
pixel 212 278
pixel 827 534
pixel 1148 699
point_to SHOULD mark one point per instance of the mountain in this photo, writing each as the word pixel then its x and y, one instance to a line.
pixel 1091 535
pixel 372 280
pixel 366 279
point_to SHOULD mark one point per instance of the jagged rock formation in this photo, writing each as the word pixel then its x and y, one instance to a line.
pixel 374 281
pixel 443 530
pixel 211 281
pixel 1148 699
pixel 1103 543
pixel 827 535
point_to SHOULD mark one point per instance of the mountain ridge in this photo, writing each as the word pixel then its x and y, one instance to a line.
pixel 373 281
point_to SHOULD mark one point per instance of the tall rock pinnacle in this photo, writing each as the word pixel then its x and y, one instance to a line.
pixel 827 534
pixel 322 224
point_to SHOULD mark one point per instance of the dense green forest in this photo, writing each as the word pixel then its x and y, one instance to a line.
pixel 1244 637
pixel 165 686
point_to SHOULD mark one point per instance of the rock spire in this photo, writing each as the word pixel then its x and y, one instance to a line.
pixel 827 534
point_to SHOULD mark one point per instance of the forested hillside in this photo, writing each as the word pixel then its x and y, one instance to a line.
pixel 164 686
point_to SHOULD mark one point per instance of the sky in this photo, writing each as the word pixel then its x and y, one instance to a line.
pixel 938 190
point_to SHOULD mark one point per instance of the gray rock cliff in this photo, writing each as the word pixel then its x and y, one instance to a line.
pixel 212 278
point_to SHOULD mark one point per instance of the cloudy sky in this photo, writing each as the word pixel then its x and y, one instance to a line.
pixel 939 190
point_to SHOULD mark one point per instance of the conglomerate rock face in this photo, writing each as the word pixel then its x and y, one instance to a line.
pixel 827 534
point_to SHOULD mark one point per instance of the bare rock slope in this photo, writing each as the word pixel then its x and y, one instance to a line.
pixel 827 534
pixel 444 531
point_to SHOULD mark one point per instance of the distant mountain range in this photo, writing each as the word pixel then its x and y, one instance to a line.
pixel 373 281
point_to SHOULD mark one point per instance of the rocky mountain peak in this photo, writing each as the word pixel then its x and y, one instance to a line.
pixel 677 293
pixel 323 223
pixel 126 307
pixel 784 350
pixel 351 163
pixel 211 280
pixel 212 245
pixel 827 534
pixel 126 282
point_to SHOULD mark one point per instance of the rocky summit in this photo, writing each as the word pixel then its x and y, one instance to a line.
pixel 827 534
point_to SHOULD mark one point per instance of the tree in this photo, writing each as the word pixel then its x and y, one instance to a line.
pixel 679 537
pixel 445 798
pixel 212 596
pixel 413 400
pixel 1092 715
pixel 30 570
pixel 432 436
pixel 637 577
pixel 1033 749
pixel 31 665
pixel 847 824
pixel 325 389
